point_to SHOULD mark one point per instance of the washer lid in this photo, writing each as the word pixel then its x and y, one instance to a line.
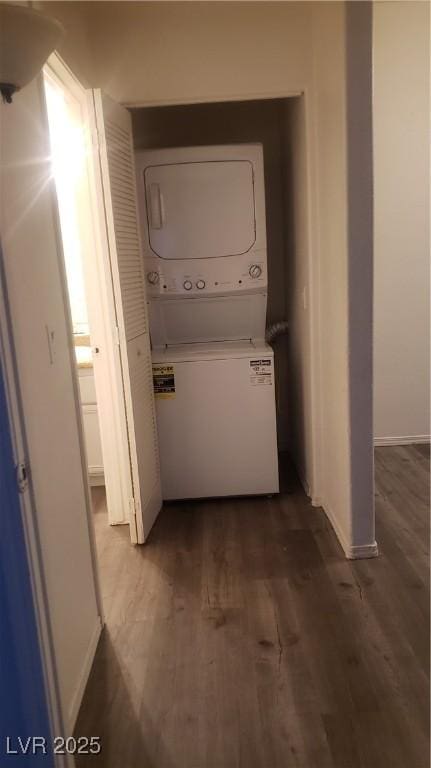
pixel 217 350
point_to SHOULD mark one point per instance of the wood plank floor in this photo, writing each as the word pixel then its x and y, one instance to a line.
pixel 240 637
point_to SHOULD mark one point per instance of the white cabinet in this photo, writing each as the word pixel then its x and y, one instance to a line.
pixel 91 426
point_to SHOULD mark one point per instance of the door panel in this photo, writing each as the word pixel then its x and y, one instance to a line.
pixel 147 457
pixel 83 231
pixel 47 386
pixel 125 230
pixel 201 209
pixel 119 188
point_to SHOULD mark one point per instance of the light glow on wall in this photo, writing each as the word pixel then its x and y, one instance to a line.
pixel 68 151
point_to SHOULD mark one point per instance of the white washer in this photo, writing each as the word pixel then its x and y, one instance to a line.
pixel 202 212
pixel 216 419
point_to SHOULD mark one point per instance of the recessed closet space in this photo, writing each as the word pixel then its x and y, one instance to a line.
pixel 279 125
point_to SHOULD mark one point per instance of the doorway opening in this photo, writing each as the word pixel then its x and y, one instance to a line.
pixel 98 229
pixel 279 125
pixel 89 289
pixel 68 148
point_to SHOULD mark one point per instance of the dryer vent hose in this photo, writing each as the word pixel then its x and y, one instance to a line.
pixel 275 330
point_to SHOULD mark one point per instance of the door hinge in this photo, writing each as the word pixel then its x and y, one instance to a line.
pixel 22 471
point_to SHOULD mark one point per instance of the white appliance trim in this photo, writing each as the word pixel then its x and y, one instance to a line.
pixel 175 355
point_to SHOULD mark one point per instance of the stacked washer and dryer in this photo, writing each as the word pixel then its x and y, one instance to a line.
pixel 202 212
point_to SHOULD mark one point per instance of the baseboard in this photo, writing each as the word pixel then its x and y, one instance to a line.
pixel 362 552
pixel 351 551
pixel 304 483
pixel 85 672
pixel 301 474
pixel 402 440
pixel 95 469
pixel 96 476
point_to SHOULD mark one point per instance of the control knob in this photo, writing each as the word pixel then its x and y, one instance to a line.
pixel 255 270
pixel 187 285
pixel 153 278
pixel 200 284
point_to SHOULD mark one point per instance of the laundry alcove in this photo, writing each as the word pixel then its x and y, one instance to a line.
pixel 279 125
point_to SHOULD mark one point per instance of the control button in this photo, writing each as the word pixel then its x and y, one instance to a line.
pixel 153 278
pixel 255 270
pixel 187 285
pixel 200 284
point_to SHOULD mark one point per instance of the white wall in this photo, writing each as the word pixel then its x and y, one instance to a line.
pixel 76 46
pixel 330 191
pixel 297 285
pixel 170 51
pixel 34 276
pixel 342 192
pixel 401 220
pixel 358 28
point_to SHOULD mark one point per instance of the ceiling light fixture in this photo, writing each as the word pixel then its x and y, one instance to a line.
pixel 27 38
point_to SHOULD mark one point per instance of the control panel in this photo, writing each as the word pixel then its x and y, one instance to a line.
pixel 232 274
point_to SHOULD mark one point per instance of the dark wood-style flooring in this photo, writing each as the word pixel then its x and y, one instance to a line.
pixel 240 636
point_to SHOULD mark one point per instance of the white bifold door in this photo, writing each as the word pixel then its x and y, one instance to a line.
pixel 118 216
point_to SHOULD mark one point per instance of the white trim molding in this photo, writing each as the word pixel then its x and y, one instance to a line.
pixel 85 673
pixel 214 98
pixel 403 440
pixel 96 476
pixel 351 551
pixel 304 483
pixel 363 551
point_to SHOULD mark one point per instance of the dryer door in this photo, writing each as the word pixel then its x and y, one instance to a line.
pixel 200 210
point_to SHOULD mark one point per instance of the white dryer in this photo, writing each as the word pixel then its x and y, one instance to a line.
pixel 202 212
